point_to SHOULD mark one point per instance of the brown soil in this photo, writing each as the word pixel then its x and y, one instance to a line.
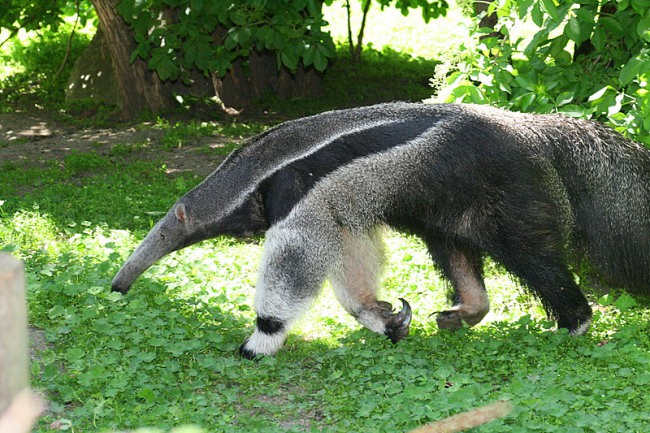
pixel 38 139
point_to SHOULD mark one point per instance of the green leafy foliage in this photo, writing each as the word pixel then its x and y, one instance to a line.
pixel 175 37
pixel 385 75
pixel 41 73
pixel 16 15
pixel 589 59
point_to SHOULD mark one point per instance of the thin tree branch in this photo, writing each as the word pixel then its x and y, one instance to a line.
pixel 350 40
pixel 366 9
pixel 69 45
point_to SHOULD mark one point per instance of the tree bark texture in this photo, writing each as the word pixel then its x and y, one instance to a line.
pixel 140 89
pixel 251 78
pixel 488 20
pixel 14 360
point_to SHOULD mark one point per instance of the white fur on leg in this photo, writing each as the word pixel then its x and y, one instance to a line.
pixel 582 328
pixel 280 295
pixel 371 321
pixel 265 344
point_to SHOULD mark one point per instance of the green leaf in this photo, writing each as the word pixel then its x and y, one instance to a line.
pixel 585 15
pixel 244 36
pixel 611 24
pixel 522 7
pixel 616 107
pixel 289 59
pixel 630 70
pixel 556 49
pixel 320 61
pixel 231 41
pixel 643 28
pixel 196 5
pixel 552 8
pixel 599 94
pixel 573 31
pixel 606 300
pixel 564 98
pixel 537 15
pixel 640 6
pixel 598 38
pixel 625 302
pixel 56 311
pixel 112 296
pixel 308 55
pixel 539 38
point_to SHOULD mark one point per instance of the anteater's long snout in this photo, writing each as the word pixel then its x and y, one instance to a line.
pixel 147 253
pixel 121 283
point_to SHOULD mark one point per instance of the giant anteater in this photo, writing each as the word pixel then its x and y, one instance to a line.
pixel 537 193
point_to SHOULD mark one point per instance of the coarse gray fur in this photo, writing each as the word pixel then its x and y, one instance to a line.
pixel 536 193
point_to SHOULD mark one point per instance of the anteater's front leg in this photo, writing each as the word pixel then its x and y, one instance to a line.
pixel 355 280
pixel 294 266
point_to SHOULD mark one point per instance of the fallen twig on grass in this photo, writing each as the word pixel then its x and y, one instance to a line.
pixel 465 420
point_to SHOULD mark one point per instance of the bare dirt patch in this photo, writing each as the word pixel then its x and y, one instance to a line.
pixel 38 139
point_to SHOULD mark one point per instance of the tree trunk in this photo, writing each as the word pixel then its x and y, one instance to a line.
pixel 139 88
pixel 251 78
pixel 488 20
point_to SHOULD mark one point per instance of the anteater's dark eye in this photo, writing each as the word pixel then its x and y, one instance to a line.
pixel 162 236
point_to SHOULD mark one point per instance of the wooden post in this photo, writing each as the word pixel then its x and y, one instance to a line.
pixel 14 360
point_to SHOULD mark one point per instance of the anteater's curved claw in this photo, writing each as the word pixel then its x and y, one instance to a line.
pixel 398 324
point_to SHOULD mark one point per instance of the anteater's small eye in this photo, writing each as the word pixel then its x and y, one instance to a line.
pixel 162 237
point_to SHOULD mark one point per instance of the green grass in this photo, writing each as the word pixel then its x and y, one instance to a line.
pixel 179 134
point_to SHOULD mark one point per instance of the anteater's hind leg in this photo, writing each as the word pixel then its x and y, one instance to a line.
pixel 550 279
pixel 532 246
pixel 355 281
pixel 464 269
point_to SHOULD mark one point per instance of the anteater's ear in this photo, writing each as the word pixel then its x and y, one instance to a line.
pixel 180 212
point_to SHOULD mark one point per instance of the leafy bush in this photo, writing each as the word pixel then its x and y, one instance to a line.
pixel 177 36
pixel 43 75
pixel 589 59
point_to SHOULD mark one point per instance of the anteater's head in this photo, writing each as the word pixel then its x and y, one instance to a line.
pixel 171 233
pixel 200 214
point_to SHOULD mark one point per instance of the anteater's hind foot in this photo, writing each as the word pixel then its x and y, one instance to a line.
pixel 459 317
pixel 465 271
pixel 574 313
